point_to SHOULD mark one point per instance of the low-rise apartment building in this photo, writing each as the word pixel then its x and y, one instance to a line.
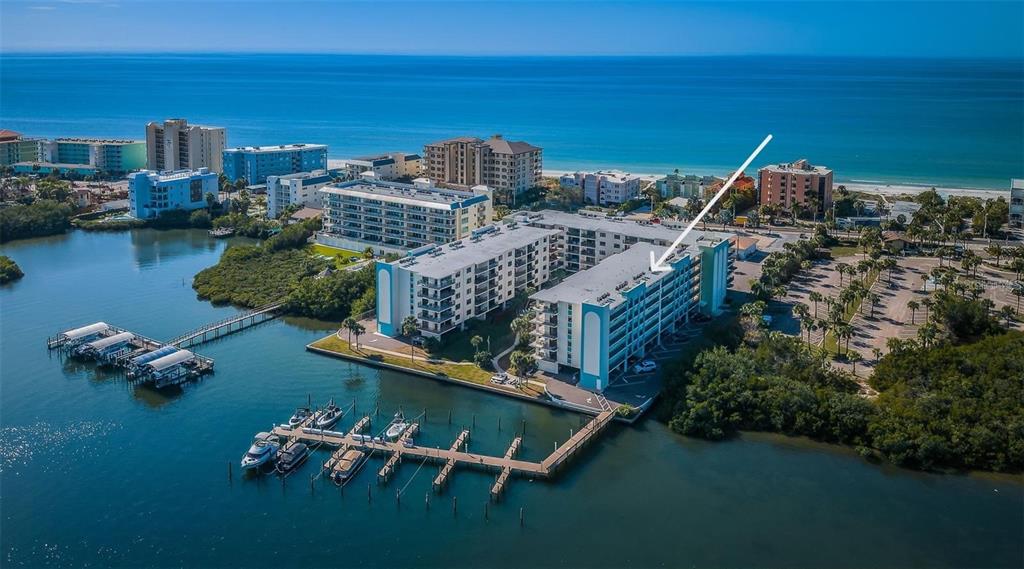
pixel 392 217
pixel 255 163
pixel 300 189
pixel 110 156
pixel 1017 203
pixel 689 186
pixel 443 286
pixel 507 167
pixel 387 167
pixel 599 320
pixel 176 145
pixel 152 193
pixel 796 183
pixel 604 187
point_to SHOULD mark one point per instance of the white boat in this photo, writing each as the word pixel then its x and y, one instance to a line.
pixel 397 427
pixel 300 415
pixel 291 457
pixel 263 450
pixel 327 417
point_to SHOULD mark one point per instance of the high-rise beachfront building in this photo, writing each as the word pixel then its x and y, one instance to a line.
pixel 255 163
pixel 689 186
pixel 597 320
pixel 391 217
pixel 604 187
pixel 796 183
pixel 110 156
pixel 152 193
pixel 1017 203
pixel 16 148
pixel 443 286
pixel 176 145
pixel 388 167
pixel 507 167
pixel 300 189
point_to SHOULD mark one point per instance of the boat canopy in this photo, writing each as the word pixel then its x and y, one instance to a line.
pixel 109 341
pixel 154 355
pixel 85 331
pixel 178 357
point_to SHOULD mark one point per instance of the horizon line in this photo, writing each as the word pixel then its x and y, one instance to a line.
pixel 52 52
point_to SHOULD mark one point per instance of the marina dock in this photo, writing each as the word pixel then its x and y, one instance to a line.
pixel 499 484
pixel 449 466
pixel 453 456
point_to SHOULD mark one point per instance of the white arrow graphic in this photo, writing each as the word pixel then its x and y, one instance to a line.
pixel 660 266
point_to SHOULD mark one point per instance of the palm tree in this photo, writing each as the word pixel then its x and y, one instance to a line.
pixel 522 327
pixel 475 341
pixel 877 354
pixel 927 333
pixel 349 324
pixel 409 327
pixel 815 297
pixel 1007 313
pixel 853 358
pixel 924 281
pixel 1018 291
pixel 927 304
pixel 913 305
pixel 358 329
pixel 873 299
pixel 996 250
pixel 841 268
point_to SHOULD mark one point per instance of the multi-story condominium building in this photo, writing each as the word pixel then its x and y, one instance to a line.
pixel 176 145
pixel 151 193
pixel 1017 203
pixel 300 189
pixel 796 183
pixel 392 217
pixel 443 286
pixel 596 320
pixel 507 167
pixel 689 186
pixel 107 155
pixel 606 187
pixel 585 239
pixel 389 167
pixel 47 168
pixel 255 163
pixel 16 148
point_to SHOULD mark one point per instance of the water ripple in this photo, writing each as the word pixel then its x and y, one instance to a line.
pixel 20 444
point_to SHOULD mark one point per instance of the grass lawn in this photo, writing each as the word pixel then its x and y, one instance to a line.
pixel 468 372
pixel 333 252
pixel 844 250
pixel 497 326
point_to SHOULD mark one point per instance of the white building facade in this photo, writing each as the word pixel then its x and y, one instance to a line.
pixel 387 167
pixel 1017 203
pixel 608 187
pixel 443 286
pixel 176 145
pixel 300 189
pixel 392 217
pixel 152 193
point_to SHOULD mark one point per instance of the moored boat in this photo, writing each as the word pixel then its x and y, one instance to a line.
pixel 300 416
pixel 291 456
pixel 263 450
pixel 397 427
pixel 346 467
pixel 327 417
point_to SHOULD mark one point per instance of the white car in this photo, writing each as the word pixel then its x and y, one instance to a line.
pixel 646 366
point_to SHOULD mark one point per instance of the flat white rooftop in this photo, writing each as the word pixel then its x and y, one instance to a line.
pixel 606 281
pixel 278 148
pixel 444 260
pixel 407 193
pixel 649 231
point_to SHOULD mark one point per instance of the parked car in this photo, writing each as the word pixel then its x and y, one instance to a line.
pixel 646 366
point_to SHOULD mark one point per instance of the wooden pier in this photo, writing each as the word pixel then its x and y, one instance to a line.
pixel 228 325
pixel 392 464
pixel 446 470
pixel 506 473
pixel 454 456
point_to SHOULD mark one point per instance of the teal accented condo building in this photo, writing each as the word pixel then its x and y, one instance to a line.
pixel 110 156
pixel 597 320
pixel 151 193
pixel 255 163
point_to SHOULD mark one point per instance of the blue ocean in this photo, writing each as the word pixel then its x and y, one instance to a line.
pixel 948 122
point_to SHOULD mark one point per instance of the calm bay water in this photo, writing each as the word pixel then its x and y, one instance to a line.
pixel 948 122
pixel 94 472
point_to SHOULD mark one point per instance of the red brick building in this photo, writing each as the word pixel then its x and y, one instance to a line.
pixel 798 182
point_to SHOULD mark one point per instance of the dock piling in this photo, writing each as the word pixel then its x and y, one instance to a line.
pixel 455 505
pixel 426 499
pixel 229 471
pixel 449 416
pixel 520 517
pixel 487 511
pixel 369 493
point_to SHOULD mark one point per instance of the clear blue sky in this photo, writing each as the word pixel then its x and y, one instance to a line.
pixel 959 29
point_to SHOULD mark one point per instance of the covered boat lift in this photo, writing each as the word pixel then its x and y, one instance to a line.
pixel 105 345
pixel 152 356
pixel 72 338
